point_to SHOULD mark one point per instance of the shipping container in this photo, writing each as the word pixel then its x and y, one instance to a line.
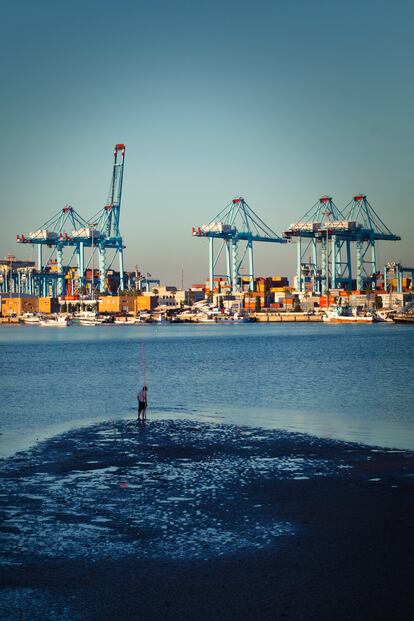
pixel 217 227
pixel 86 232
pixel 305 226
pixel 43 234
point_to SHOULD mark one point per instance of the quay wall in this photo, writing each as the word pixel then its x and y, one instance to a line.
pixel 287 317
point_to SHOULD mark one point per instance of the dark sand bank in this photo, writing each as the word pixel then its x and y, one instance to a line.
pixel 184 520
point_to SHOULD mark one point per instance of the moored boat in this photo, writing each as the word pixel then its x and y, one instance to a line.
pixel 91 318
pixel 30 318
pixel 56 321
pixel 345 314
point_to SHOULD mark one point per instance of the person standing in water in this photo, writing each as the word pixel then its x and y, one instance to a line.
pixel 142 403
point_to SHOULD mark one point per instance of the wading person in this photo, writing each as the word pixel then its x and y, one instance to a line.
pixel 142 403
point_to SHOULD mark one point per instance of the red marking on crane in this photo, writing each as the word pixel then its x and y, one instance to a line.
pixel 66 209
pixel 108 207
pixel 324 199
pixel 359 197
pixel 236 200
pixel 120 146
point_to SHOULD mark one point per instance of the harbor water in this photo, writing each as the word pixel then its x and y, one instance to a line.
pixel 333 381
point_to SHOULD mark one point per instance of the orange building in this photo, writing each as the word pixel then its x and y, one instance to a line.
pixel 145 302
pixel 48 305
pixel 116 304
pixel 18 304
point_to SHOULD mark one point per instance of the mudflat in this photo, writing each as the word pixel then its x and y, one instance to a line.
pixel 186 520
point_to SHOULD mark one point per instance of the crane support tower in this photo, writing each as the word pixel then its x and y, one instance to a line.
pixel 106 222
pixel 327 234
pixel 236 223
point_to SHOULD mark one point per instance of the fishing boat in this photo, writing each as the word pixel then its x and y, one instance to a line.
pixel 56 321
pixel 345 314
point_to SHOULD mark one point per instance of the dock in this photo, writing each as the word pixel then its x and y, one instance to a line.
pixel 287 317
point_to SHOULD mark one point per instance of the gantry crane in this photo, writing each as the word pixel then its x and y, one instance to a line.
pixel 312 234
pixel 328 233
pixel 236 223
pixel 68 229
pixel 54 235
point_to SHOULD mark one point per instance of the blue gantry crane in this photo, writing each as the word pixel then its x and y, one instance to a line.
pixel 51 239
pixel 67 229
pixel 326 234
pixel 312 234
pixel 236 223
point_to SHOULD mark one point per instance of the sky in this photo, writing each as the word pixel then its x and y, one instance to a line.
pixel 279 102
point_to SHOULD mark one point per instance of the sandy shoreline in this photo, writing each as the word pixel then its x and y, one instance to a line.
pixel 187 520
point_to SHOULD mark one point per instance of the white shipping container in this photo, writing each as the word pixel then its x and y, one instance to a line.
pixel 305 226
pixel 343 225
pixel 216 227
pixel 86 232
pixel 43 234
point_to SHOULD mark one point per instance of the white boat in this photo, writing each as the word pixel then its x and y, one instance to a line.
pixel 30 318
pixel 91 318
pixel 344 314
pixel 160 318
pixel 202 318
pixel 385 315
pixel 125 321
pixel 56 321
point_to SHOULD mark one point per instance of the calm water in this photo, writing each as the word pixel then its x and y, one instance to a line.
pixel 347 382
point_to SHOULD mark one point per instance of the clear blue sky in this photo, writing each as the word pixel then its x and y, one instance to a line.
pixel 280 102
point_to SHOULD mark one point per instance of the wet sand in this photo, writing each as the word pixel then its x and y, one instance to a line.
pixel 185 520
